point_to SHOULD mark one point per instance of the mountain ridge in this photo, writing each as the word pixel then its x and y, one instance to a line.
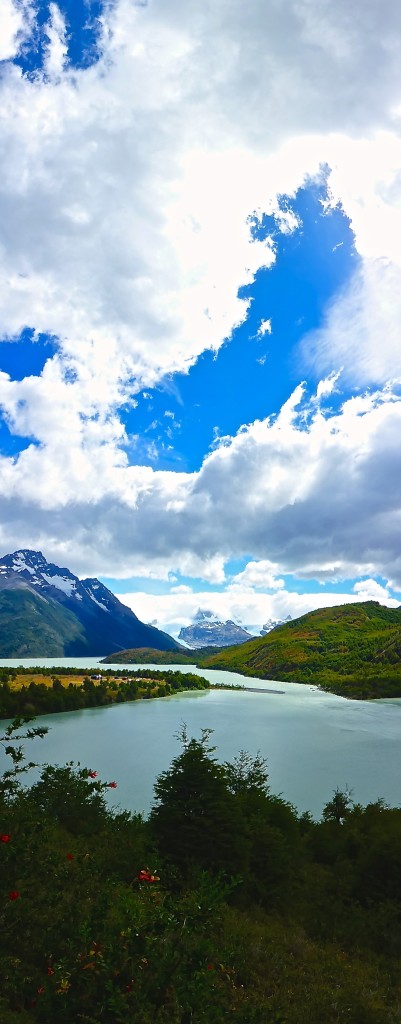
pixel 65 616
pixel 207 630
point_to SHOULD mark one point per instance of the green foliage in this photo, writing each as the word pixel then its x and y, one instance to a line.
pixel 37 698
pixel 30 626
pixel 194 816
pixel 150 656
pixel 247 775
pixel 353 650
pixel 308 931
pixel 339 807
pixel 147 655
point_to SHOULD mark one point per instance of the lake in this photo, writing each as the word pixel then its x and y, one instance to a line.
pixel 313 741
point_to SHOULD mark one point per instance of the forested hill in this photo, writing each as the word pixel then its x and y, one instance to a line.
pixel 352 649
pixel 149 656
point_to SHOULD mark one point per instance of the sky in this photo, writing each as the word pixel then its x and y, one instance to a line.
pixel 200 300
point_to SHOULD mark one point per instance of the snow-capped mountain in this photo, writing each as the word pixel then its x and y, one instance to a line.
pixel 272 624
pixel 207 630
pixel 46 610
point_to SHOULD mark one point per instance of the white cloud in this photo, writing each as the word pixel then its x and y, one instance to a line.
pixel 127 199
pixel 366 178
pixel 249 608
pixel 56 52
pixel 128 186
pixel 258 574
pixel 265 327
pixel 327 386
pixel 15 25
pixel 362 328
pixel 308 493
pixel 371 590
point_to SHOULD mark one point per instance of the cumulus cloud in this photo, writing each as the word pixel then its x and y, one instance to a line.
pixel 307 492
pixel 128 196
pixel 16 18
pixel 258 574
pixel 125 232
pixel 249 608
pixel 371 590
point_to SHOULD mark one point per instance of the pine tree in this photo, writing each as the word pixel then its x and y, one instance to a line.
pixel 195 819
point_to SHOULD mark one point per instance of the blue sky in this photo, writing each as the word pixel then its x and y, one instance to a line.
pixel 200 359
pixel 251 376
pixel 82 33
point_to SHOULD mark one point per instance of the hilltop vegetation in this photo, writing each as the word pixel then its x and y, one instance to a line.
pixel 148 655
pixel 254 914
pixel 353 650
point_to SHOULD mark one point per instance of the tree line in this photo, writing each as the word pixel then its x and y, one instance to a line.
pixel 35 698
pixel 224 905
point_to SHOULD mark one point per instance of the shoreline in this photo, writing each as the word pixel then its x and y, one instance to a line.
pixel 352 691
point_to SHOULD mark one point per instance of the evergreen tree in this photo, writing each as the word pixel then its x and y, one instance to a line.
pixel 338 809
pixel 195 819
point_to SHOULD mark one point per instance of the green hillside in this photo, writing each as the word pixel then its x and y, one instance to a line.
pixel 31 625
pixel 352 649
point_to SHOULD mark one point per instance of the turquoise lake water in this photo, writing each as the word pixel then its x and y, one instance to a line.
pixel 313 741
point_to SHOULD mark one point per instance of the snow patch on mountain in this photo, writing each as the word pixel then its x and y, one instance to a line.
pixel 99 603
pixel 67 586
pixel 19 564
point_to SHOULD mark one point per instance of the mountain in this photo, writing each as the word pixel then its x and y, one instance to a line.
pixel 272 624
pixel 208 631
pixel 352 649
pixel 46 611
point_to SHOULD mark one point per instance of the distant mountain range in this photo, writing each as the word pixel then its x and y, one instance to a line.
pixel 207 630
pixel 46 611
pixel 272 624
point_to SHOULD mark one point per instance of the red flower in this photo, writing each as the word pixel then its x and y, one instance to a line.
pixel 146 876
pixel 70 856
pixel 50 971
pixel 41 990
pixel 14 894
pixel 5 839
pixel 112 785
pixel 210 967
pixel 130 986
pixel 93 775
